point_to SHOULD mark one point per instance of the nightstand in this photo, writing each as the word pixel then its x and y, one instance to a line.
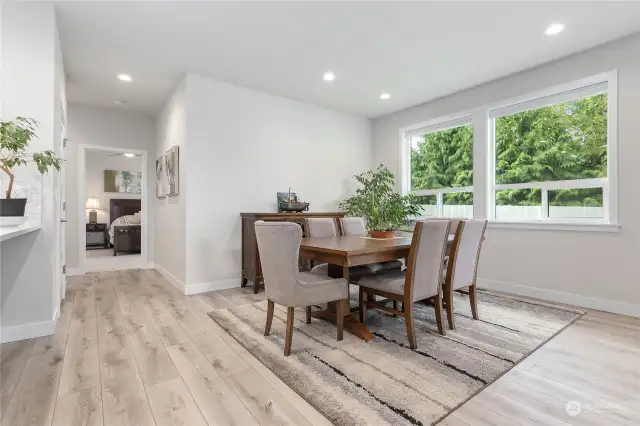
pixel 97 236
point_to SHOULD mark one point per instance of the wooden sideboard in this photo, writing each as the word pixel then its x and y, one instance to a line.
pixel 251 270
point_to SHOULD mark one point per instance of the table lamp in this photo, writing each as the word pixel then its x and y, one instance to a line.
pixel 93 204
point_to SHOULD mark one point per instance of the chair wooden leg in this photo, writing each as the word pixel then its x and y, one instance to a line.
pixel 363 305
pixel 448 299
pixel 395 306
pixel 308 309
pixel 289 335
pixel 437 304
pixel 474 302
pixel 267 327
pixel 408 319
pixel 342 307
pixel 256 285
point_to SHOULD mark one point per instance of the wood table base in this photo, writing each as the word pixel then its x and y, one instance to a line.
pixel 351 324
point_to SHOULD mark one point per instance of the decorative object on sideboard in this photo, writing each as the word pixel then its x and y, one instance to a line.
pixel 288 202
pixel 123 182
pixel 173 170
pixel 384 209
pixel 93 204
pixel 14 139
pixel 161 178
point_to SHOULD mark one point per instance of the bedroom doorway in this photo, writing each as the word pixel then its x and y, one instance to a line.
pixel 113 204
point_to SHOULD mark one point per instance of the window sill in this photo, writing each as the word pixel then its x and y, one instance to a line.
pixel 555 226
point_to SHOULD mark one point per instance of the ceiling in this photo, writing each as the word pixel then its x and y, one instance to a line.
pixel 414 51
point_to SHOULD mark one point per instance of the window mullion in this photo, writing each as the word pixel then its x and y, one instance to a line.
pixel 482 170
pixel 545 204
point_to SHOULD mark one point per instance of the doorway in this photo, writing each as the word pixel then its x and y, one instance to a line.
pixel 112 196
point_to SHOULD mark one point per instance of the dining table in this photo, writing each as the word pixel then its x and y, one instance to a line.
pixel 344 251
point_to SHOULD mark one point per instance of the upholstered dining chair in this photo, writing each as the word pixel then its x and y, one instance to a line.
pixel 357 226
pixel 455 223
pixel 321 227
pixel 462 268
pixel 421 279
pixel 279 246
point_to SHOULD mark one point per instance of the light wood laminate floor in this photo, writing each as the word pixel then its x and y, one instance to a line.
pixel 130 350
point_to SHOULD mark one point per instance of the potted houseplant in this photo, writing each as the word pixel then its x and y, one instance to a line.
pixel 14 139
pixel 383 208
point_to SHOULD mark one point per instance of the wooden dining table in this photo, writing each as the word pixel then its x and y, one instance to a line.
pixel 344 251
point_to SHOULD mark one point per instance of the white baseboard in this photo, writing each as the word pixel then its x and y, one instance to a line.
pixel 212 286
pixel 169 277
pixel 197 288
pixel 28 331
pixel 561 297
pixel 114 263
pixel 72 272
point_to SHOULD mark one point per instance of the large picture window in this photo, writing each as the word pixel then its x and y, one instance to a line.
pixel 441 168
pixel 548 158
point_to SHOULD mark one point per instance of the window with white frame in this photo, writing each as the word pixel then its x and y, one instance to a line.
pixel 550 157
pixel 440 168
pixel 544 158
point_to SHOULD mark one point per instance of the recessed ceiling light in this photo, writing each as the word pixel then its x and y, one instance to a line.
pixel 554 29
pixel 128 154
pixel 329 76
pixel 124 77
pixel 385 96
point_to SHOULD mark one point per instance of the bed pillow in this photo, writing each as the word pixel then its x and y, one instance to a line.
pixel 134 219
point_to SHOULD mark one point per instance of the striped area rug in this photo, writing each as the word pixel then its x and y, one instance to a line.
pixel 384 382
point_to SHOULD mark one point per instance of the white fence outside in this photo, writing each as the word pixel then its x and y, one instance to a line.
pixel 517 213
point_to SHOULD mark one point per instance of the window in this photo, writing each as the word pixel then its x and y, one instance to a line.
pixel 441 168
pixel 547 159
pixel 550 157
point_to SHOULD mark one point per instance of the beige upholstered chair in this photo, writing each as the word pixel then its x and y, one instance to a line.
pixel 279 246
pixel 321 227
pixel 353 226
pixel 462 267
pixel 422 279
pixel 454 226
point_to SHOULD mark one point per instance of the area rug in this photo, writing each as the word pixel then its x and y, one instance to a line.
pixel 384 382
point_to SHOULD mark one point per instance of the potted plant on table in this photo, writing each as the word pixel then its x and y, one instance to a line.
pixel 383 208
pixel 14 139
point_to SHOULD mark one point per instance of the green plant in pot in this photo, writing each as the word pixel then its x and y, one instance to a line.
pixel 383 208
pixel 14 140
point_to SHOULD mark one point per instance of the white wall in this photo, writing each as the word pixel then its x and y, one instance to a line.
pixel 107 127
pixel 595 269
pixel 170 231
pixel 32 77
pixel 243 147
pixel 96 162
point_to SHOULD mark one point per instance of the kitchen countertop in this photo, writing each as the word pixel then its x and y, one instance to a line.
pixel 9 232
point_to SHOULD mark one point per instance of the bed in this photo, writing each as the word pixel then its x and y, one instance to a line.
pixel 125 229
